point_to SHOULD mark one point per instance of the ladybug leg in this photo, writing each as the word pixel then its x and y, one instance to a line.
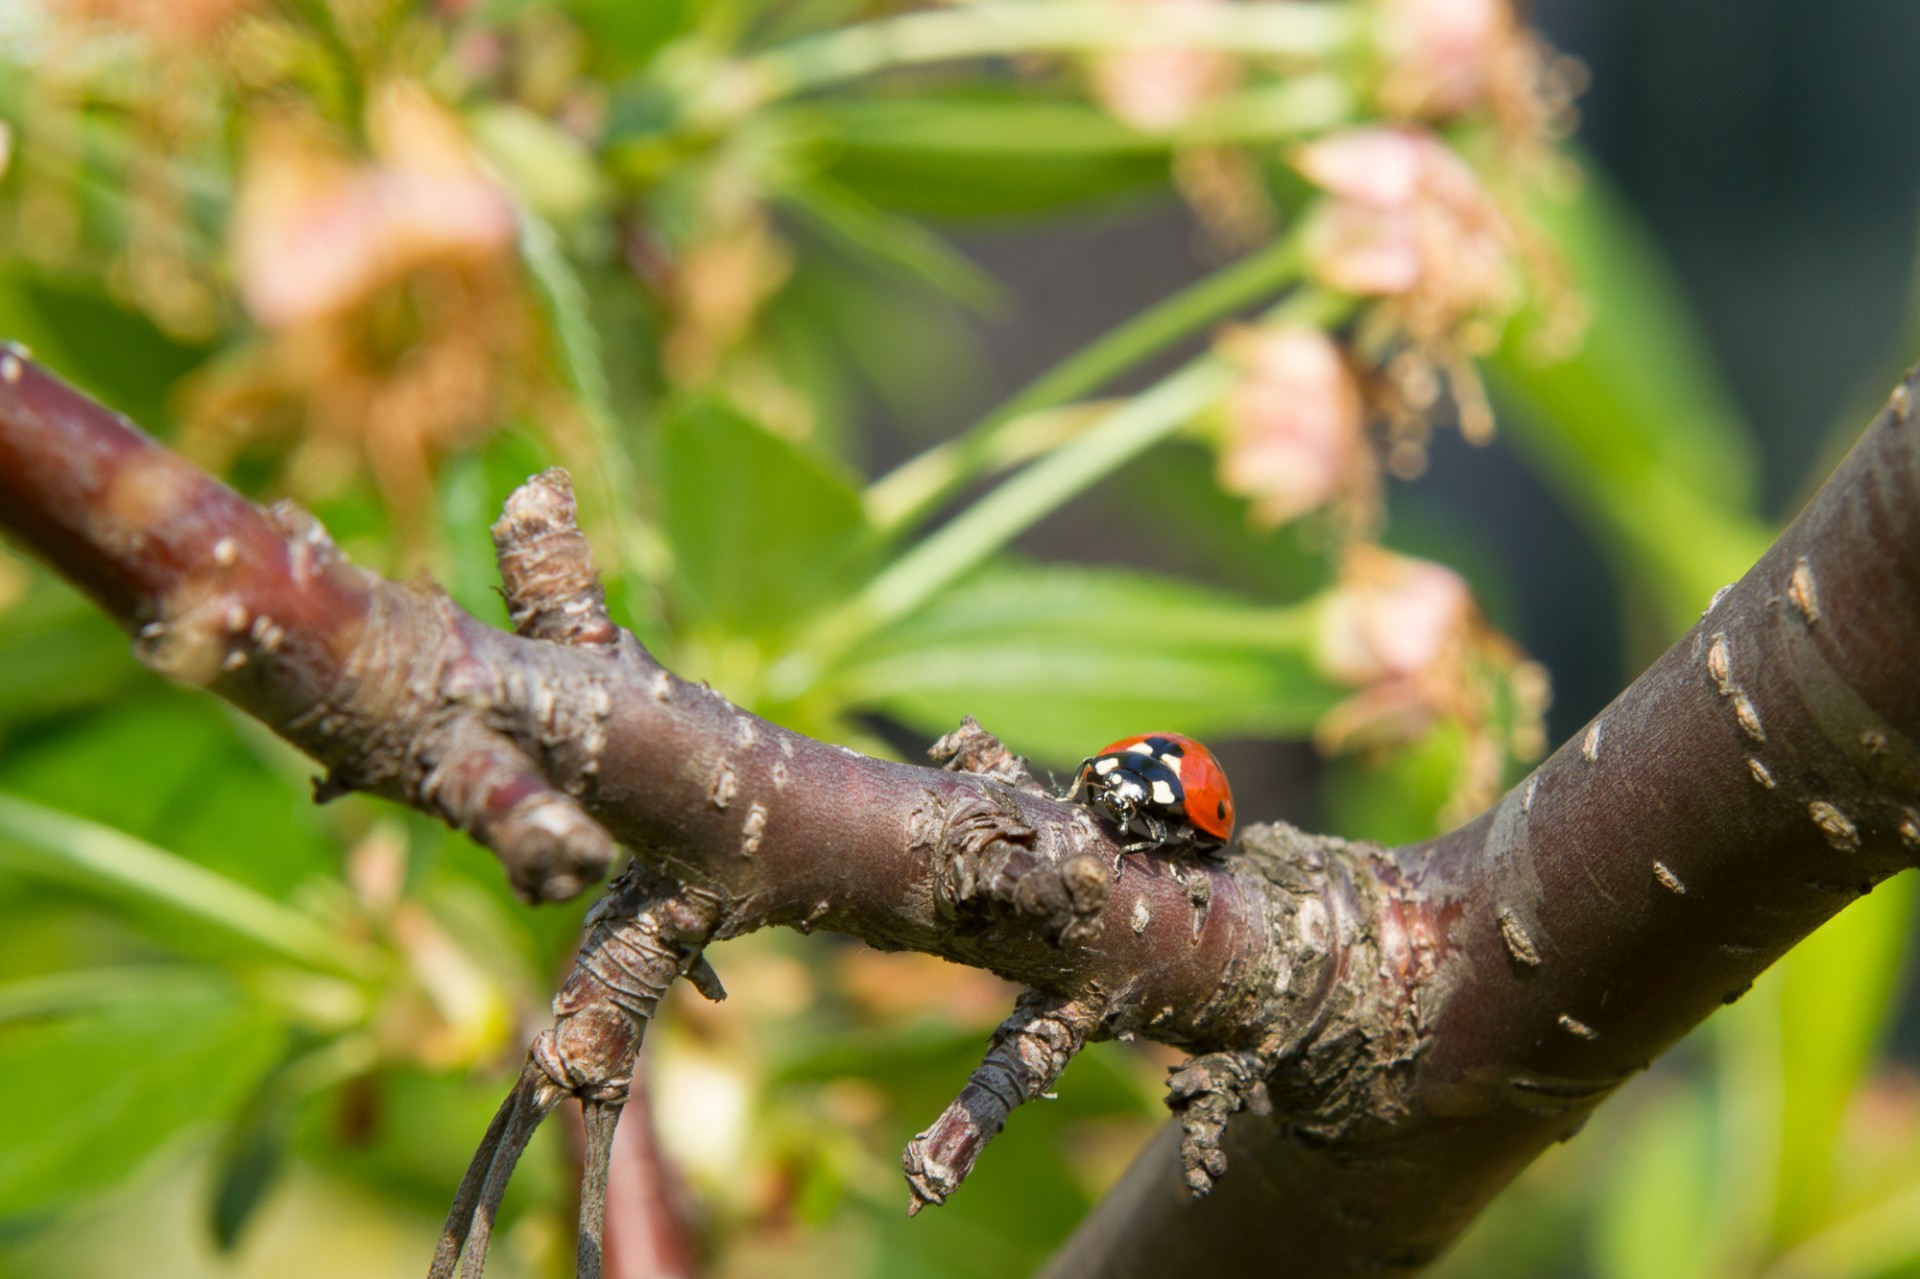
pixel 1159 834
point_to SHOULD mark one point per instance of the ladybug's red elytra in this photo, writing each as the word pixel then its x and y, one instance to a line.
pixel 1164 789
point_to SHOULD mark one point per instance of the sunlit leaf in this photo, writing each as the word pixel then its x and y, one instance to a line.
pixel 91 1096
pixel 983 156
pixel 1654 1220
pixel 1635 428
pixel 1057 660
pixel 886 239
pixel 761 531
pixel 1837 992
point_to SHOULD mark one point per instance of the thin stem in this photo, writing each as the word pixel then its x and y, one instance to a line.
pixel 63 994
pixel 1000 516
pixel 600 1119
pixel 916 489
pixel 577 345
pixel 42 839
pixel 466 1199
pixel 529 1110
pixel 1281 29
pixel 965 542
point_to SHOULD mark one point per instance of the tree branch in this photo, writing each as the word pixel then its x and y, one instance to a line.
pixel 1421 1022
pixel 1756 779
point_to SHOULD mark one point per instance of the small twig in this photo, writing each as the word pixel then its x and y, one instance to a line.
pixel 972 749
pixel 534 1100
pixel 1204 1091
pixel 546 567
pixel 646 1234
pixel 1027 1054
pixel 599 1118
pixel 466 1200
pixel 469 1226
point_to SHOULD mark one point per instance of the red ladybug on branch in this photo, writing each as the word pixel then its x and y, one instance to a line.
pixel 1163 789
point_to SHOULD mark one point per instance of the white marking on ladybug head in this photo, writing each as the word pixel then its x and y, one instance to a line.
pixel 1163 794
pixel 1105 766
pixel 1129 790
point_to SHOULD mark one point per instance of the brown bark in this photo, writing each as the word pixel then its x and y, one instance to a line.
pixel 1422 1021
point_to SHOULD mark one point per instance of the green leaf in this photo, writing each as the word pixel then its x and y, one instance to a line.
pixel 612 488
pixel 426 1126
pixel 1398 797
pixel 1655 1217
pixel 1057 660
pixel 249 1162
pixel 982 156
pixel 627 34
pixel 212 799
pixel 1837 996
pixel 548 168
pixel 473 489
pixel 891 241
pixel 114 354
pixel 836 325
pixel 1881 1239
pixel 41 841
pixel 92 1096
pixel 762 533
pixel 1635 428
pixel 58 653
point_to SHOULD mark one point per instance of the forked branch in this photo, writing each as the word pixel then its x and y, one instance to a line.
pixel 1380 1039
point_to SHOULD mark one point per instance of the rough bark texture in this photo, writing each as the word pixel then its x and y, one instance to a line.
pixel 1757 778
pixel 1381 1039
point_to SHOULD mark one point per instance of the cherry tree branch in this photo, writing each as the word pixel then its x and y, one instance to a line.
pixel 1381 1040
pixel 1761 775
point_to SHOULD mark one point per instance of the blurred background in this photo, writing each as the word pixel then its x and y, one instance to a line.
pixel 791 310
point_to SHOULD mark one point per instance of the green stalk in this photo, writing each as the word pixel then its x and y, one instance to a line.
pixel 996 519
pixel 914 490
pixel 43 841
pixel 564 299
pixel 79 990
pixel 1284 28
pixel 966 541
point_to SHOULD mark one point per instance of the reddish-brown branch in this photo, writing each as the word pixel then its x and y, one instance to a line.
pixel 647 1238
pixel 1425 1021
pixel 1760 776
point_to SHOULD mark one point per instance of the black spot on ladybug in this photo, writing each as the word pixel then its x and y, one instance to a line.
pixel 1138 784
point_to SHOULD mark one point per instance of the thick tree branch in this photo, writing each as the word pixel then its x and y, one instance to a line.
pixel 1760 776
pixel 1422 1023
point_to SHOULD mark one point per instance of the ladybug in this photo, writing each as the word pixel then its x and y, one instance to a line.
pixel 1166 790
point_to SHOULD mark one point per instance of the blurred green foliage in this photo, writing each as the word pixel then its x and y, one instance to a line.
pixel 390 258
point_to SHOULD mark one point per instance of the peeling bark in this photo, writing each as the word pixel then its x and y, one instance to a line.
pixel 1028 1052
pixel 1380 1039
pixel 1756 779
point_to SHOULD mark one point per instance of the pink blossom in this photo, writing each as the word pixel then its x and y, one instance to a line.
pixel 1156 88
pixel 1293 422
pixel 316 235
pixel 1393 618
pixel 1441 53
pixel 1407 217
